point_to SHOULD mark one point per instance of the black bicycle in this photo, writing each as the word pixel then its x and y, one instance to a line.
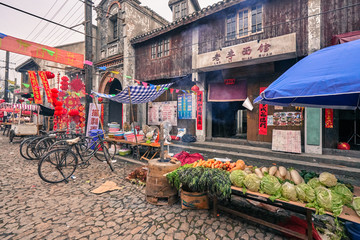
pixel 59 164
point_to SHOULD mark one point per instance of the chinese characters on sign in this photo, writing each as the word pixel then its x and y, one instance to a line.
pixel 329 118
pixel 162 111
pixel 93 118
pixel 199 107
pixel 263 112
pixel 185 106
pixel 45 84
pixel 216 58
pixel 286 141
pixel 230 55
pixel 230 81
pixel 35 87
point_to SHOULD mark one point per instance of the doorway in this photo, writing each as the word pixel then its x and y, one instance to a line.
pixel 115 108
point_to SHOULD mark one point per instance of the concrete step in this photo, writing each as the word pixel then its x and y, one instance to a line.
pixel 332 158
pixel 263 157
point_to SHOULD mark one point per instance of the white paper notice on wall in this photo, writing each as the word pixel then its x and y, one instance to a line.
pixel 162 111
pixel 286 141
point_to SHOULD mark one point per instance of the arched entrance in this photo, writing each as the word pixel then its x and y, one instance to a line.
pixel 115 108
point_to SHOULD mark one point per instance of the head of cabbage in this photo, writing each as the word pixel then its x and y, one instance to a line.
pixel 328 179
pixel 252 182
pixel 237 178
pixel 329 200
pixel 314 183
pixel 270 185
pixel 344 193
pixel 288 191
pixel 305 193
pixel 356 205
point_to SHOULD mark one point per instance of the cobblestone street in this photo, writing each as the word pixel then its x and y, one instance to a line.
pixel 33 209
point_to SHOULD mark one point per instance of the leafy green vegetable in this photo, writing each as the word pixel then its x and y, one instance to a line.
pixel 270 185
pixel 356 205
pixel 308 175
pixel 288 191
pixel 328 179
pixel 173 177
pixel 237 178
pixel 314 183
pixel 344 193
pixel 329 201
pixel 252 182
pixel 305 193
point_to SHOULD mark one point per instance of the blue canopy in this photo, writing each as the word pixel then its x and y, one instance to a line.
pixel 328 78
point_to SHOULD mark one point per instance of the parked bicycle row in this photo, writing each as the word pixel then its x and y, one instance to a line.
pixel 59 154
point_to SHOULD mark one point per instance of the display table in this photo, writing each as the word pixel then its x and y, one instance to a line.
pixel 347 214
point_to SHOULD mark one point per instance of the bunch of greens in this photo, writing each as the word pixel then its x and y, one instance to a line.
pixel 308 175
pixel 215 182
pixel 173 177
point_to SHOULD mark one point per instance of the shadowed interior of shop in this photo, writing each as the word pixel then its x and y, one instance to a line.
pixel 115 108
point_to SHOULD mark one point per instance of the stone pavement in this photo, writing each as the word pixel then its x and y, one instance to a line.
pixel 33 209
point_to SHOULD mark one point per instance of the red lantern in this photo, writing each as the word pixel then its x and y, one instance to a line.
pixel 54 95
pixel 73 112
pixel 49 75
pixel 2 100
pixel 59 108
pixel 54 90
pixel 21 100
pixel 65 78
pixel 59 103
pixel 30 99
pixel 64 111
pixel 100 99
pixel 343 146
pixel 195 88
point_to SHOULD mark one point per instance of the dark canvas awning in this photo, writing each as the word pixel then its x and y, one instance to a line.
pixel 219 92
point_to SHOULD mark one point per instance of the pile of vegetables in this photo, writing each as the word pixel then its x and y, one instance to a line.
pixel 215 182
pixel 212 163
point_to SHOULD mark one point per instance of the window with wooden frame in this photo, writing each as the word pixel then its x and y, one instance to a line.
pixel 183 9
pixel 238 24
pixel 114 26
pixel 177 11
pixel 160 48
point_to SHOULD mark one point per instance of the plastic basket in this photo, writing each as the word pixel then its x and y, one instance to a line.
pixel 131 138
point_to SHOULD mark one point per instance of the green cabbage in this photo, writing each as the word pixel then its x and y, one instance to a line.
pixel 252 182
pixel 356 205
pixel 328 200
pixel 314 183
pixel 344 193
pixel 288 191
pixel 237 178
pixel 328 179
pixel 305 193
pixel 270 185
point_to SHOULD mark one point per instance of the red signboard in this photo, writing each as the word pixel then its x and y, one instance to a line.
pixel 230 81
pixel 263 112
pixel 15 45
pixel 329 118
pixel 45 84
pixel 199 107
pixel 35 87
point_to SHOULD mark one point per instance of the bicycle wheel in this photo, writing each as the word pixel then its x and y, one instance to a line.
pixel 42 146
pixel 23 147
pixel 100 155
pixel 57 145
pixel 30 149
pixel 106 156
pixel 57 165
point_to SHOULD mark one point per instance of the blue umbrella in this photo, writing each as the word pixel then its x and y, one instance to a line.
pixel 328 78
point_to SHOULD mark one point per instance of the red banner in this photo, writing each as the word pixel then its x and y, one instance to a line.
pixel 35 87
pixel 329 118
pixel 199 107
pixel 45 84
pixel 36 50
pixel 263 112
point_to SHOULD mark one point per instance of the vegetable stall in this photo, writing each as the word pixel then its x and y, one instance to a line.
pixel 300 192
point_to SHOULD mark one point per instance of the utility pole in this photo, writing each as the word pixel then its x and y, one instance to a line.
pixel 6 96
pixel 14 91
pixel 88 56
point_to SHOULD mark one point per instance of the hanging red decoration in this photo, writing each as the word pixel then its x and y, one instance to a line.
pixel 49 75
pixel 72 102
pixel 54 90
pixel 21 100
pixel 100 99
pixel 65 78
pixel 73 112
pixel 195 88
pixel 76 85
pixel 2 100
pixel 31 99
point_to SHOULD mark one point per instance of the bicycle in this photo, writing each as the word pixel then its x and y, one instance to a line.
pixel 59 164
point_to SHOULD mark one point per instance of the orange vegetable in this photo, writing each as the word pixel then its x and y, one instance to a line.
pixel 235 168
pixel 232 165
pixel 195 164
pixel 240 164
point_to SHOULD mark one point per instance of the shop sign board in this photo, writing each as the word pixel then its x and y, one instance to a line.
pixel 287 119
pixel 162 111
pixel 186 106
pixel 93 118
pixel 199 110
pixel 45 84
pixel 245 52
pixel 35 87
pixel 263 112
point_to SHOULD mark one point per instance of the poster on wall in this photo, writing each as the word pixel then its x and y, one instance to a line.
pixel 186 109
pixel 199 108
pixel 270 120
pixel 93 118
pixel 286 141
pixel 162 111
pixel 329 118
pixel 35 87
pixel 288 118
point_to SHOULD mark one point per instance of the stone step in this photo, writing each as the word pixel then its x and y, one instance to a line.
pixel 332 159
pixel 344 173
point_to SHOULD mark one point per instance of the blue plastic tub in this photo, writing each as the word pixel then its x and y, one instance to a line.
pixel 94 133
pixel 353 230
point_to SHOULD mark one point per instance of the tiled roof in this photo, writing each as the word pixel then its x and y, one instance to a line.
pixel 216 7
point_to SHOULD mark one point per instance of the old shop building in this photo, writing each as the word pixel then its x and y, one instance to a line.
pixel 118 22
pixel 235 48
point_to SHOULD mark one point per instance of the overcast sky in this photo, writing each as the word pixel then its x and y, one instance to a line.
pixel 66 12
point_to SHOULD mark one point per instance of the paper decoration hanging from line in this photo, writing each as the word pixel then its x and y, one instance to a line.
pixel 11 82
pixel 145 84
pixel 177 90
pixel 171 90
pixel 157 88
pixel 88 62
pixel 128 76
pixel 166 88
pixel 26 85
pixel 102 68
pixel 115 72
pixel 152 86
pixel 138 82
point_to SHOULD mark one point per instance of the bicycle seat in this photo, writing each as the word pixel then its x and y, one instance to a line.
pixel 73 141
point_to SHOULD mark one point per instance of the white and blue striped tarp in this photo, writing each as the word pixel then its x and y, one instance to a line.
pixel 139 94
